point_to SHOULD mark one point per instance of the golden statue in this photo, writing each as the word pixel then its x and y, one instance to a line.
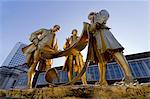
pixel 74 62
pixel 104 47
pixel 42 40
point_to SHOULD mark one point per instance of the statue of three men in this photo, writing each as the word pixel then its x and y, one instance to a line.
pixel 103 47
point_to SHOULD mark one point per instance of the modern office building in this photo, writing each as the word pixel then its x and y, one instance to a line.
pixel 12 67
pixel 15 57
pixel 10 75
pixel 13 73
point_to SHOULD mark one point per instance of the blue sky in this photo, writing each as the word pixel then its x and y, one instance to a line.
pixel 129 21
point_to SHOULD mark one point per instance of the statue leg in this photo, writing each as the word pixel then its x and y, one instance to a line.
pixel 102 71
pixel 28 57
pixel 48 64
pixel 121 60
pixel 31 71
pixel 79 62
pixel 102 68
pixel 70 64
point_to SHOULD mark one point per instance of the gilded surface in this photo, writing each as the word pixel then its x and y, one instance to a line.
pixel 74 62
pixel 42 40
pixel 102 48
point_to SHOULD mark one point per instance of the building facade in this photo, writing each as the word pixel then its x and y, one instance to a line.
pixel 12 67
pixel 10 75
pixel 16 56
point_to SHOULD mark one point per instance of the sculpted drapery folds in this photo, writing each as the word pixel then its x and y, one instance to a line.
pixel 74 62
pixel 42 40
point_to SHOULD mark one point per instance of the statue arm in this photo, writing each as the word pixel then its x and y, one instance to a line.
pixel 56 46
pixel 43 34
pixel 64 47
pixel 92 28
pixel 68 41
pixel 34 36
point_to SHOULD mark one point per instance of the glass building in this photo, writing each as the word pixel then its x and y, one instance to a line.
pixel 12 67
pixel 16 56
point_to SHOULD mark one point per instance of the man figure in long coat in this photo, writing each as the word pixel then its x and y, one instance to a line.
pixel 104 47
pixel 42 40
pixel 74 62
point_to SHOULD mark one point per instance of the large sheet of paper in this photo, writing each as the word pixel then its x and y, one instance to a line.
pixel 79 45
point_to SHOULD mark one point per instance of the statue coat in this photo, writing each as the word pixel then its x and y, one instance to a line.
pixel 46 41
pixel 102 43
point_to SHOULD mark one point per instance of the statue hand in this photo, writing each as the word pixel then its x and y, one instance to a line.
pixel 35 41
pixel 97 25
pixel 57 51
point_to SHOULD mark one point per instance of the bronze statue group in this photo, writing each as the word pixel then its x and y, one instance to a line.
pixel 102 48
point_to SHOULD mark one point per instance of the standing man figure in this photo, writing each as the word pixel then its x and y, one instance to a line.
pixel 104 47
pixel 74 62
pixel 42 40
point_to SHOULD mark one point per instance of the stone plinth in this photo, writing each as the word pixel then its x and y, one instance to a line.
pixel 78 91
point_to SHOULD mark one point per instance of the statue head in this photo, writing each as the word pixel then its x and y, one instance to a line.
pixel 56 28
pixel 101 17
pixel 74 32
pixel 67 44
pixel 91 16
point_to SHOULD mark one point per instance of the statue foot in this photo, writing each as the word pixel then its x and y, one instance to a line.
pixel 30 86
pixel 102 83
pixel 128 80
pixel 84 84
pixel 50 85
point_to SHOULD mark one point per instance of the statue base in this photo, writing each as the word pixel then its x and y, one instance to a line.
pixel 139 91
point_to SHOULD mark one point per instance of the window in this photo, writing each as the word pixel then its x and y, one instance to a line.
pixel 22 81
pixel 96 73
pixel 117 71
pixel 147 62
pixel 41 78
pixel 135 70
pixel 60 75
pixel 141 68
pixel 111 70
pixel 107 73
pixel 65 77
pixel 92 73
